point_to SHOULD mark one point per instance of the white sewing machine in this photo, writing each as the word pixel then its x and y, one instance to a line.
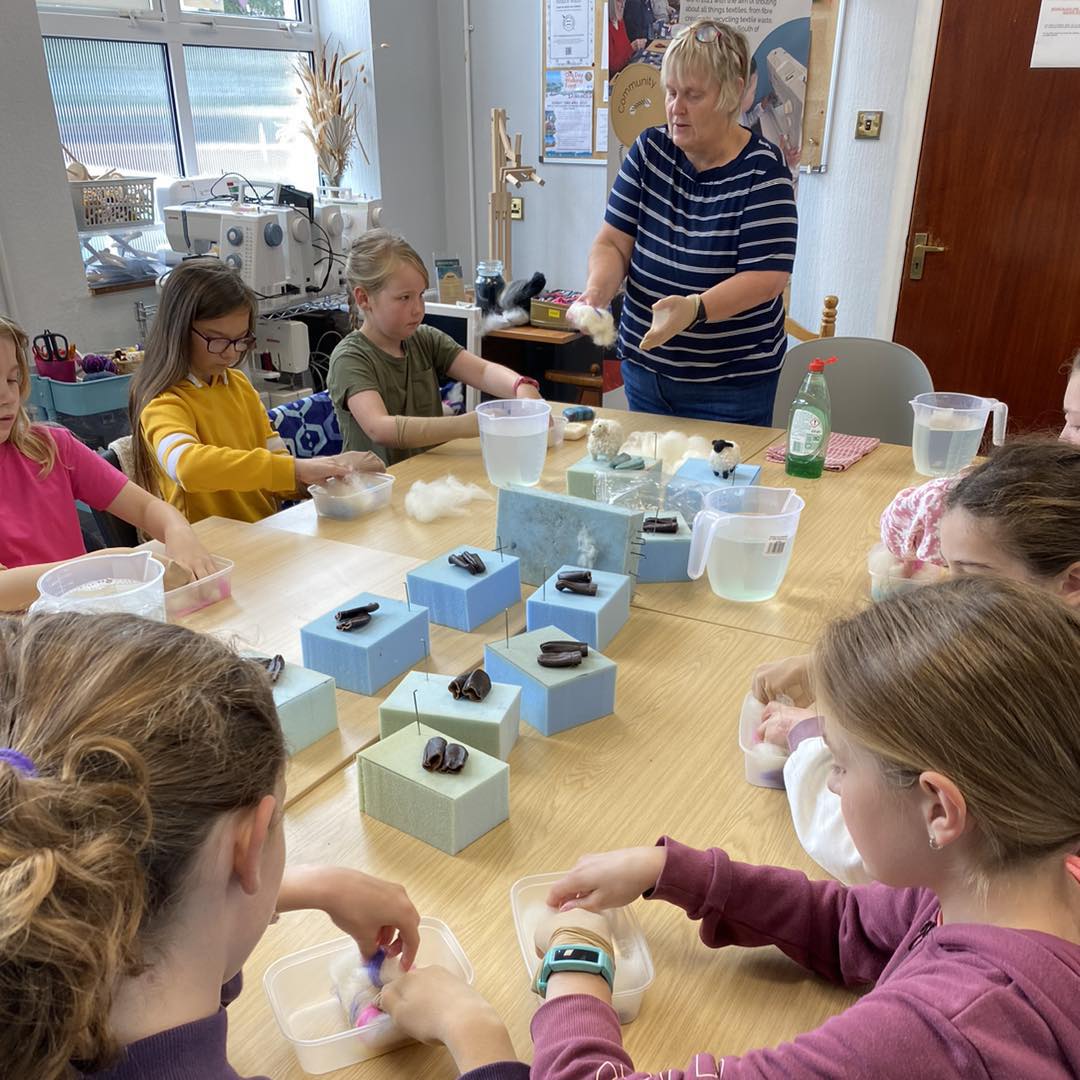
pixel 787 77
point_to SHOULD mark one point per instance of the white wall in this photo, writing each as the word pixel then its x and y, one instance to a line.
pixel 46 285
pixel 561 217
pixel 853 218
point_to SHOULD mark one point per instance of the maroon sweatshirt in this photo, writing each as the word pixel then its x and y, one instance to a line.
pixel 963 1000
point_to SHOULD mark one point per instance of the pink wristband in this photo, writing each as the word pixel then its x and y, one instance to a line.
pixel 529 382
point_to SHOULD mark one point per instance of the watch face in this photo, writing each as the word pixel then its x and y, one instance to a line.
pixel 572 952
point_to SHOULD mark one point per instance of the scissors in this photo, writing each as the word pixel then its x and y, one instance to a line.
pixel 50 346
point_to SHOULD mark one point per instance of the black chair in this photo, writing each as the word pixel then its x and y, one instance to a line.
pixel 114 531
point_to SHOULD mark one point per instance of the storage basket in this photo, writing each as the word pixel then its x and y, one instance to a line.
pixel 113 204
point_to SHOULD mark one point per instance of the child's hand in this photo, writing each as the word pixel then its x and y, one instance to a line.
pixel 318 470
pixel 361 461
pixel 777 721
pixel 788 678
pixel 581 919
pixel 185 548
pixel 366 908
pixel 434 1006
pixel 611 879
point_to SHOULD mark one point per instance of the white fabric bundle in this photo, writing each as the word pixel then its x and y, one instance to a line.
pixel 447 497
pixel 596 322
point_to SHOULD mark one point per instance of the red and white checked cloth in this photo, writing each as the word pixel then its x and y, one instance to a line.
pixel 842 452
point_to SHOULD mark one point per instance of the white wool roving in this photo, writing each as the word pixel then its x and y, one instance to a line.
pixel 447 497
pixel 596 322
pixel 699 447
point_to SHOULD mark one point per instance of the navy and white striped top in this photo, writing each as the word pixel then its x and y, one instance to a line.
pixel 693 230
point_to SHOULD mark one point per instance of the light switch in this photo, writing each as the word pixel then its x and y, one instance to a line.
pixel 868 125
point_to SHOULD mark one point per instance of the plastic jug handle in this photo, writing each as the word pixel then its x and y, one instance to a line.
pixel 1001 418
pixel 704 524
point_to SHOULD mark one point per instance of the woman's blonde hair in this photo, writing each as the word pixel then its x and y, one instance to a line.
pixel 372 260
pixel 200 288
pixel 978 679
pixel 1027 493
pixel 725 60
pixel 142 735
pixel 27 438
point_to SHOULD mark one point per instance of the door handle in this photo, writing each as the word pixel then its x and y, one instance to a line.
pixel 918 255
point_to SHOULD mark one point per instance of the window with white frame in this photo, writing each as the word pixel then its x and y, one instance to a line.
pixel 169 88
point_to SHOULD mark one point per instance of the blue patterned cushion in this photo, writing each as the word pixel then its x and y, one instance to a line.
pixel 308 427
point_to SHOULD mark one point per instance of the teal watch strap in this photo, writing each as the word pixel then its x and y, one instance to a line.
pixel 586 958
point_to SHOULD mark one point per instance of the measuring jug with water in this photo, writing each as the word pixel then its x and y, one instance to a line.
pixel 103 583
pixel 744 538
pixel 948 429
pixel 513 440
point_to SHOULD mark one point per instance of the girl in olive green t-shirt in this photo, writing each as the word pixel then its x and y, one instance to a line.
pixel 384 378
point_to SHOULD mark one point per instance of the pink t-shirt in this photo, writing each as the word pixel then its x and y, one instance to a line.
pixel 38 519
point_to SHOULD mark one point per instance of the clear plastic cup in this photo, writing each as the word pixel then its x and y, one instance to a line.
pixel 948 429
pixel 744 537
pixel 513 440
pixel 105 583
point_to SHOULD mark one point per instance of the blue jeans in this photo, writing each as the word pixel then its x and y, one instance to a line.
pixel 735 401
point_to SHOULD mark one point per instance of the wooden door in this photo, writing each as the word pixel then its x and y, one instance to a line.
pixel 998 312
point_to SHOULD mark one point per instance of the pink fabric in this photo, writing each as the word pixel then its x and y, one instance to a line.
pixel 911 523
pixel 841 453
pixel 38 519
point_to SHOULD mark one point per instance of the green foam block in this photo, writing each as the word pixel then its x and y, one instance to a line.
pixel 581 477
pixel 447 810
pixel 490 725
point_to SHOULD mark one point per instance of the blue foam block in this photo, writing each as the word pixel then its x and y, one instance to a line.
pixel 698 471
pixel 553 699
pixel 545 530
pixel 581 476
pixel 306 706
pixel 456 598
pixel 595 619
pixel 666 555
pixel 365 659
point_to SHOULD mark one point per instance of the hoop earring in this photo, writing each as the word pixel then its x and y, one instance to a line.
pixel 934 843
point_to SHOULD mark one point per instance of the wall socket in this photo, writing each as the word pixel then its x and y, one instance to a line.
pixel 517 208
pixel 868 124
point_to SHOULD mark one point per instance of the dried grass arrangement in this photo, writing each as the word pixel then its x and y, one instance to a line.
pixel 329 92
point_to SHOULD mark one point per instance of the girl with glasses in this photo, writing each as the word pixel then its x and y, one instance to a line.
pixel 202 436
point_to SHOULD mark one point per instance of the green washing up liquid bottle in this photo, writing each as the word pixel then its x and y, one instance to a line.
pixel 809 424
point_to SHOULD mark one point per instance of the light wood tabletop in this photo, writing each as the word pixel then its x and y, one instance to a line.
pixel 391 529
pixel 667 761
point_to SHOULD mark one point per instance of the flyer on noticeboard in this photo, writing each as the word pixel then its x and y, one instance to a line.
pixel 778 35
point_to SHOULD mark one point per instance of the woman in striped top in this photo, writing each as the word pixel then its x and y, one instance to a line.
pixel 701 223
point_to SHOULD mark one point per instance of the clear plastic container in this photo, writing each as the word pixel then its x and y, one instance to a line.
pixel 202 593
pixel 763 762
pixel 948 429
pixel 633 961
pixel 310 1016
pixel 347 499
pixel 556 431
pixel 105 583
pixel 513 440
pixel 889 575
pixel 744 537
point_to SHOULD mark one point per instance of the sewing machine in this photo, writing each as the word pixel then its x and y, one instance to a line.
pixel 788 80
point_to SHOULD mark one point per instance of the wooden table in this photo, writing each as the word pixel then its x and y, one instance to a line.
pixel 666 761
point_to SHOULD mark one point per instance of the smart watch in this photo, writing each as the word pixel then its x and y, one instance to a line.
pixel 587 958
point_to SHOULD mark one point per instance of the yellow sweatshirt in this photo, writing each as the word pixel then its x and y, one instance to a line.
pixel 216 451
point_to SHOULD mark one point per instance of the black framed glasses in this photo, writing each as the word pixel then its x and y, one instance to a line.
pixel 218 345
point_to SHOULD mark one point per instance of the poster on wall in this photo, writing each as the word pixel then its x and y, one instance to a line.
pixel 778 36
pixel 1057 35
pixel 568 114
pixel 570 33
